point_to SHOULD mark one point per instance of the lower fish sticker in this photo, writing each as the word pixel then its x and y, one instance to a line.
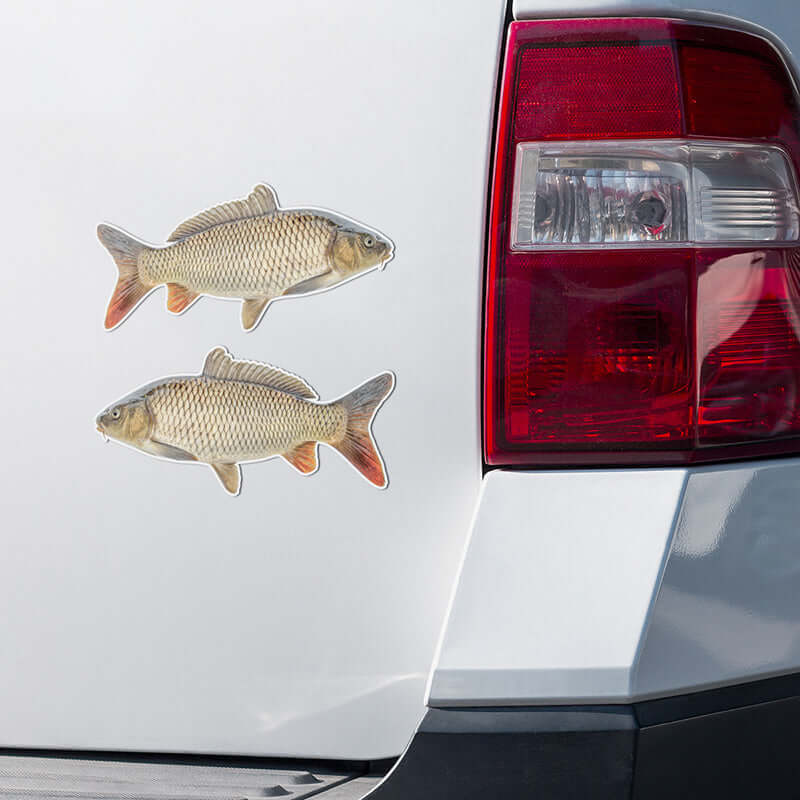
pixel 239 411
pixel 250 249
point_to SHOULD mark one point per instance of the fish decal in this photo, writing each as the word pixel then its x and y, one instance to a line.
pixel 250 249
pixel 241 411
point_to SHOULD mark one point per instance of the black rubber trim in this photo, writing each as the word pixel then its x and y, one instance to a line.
pixel 543 719
pixel 583 753
pixel 751 752
pixel 734 742
pixel 726 698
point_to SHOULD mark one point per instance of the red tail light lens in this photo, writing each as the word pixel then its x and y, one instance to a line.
pixel 748 339
pixel 643 300
pixel 597 92
pixel 596 351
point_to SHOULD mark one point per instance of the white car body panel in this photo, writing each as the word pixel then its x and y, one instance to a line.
pixel 728 606
pixel 556 586
pixel 144 609
pixel 617 586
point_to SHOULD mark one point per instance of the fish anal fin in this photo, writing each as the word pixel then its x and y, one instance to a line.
pixel 303 457
pixel 221 364
pixel 179 298
pixel 260 202
pixel 252 311
pixel 230 475
pixel 324 281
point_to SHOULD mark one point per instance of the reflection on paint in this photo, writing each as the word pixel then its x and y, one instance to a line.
pixel 239 411
pixel 248 249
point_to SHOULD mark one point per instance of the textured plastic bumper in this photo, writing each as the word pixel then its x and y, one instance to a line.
pixel 738 742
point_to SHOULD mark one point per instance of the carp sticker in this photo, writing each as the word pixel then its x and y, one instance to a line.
pixel 240 411
pixel 251 249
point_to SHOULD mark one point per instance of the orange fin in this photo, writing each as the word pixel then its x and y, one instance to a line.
pixel 357 444
pixel 303 458
pixel 130 289
pixel 179 298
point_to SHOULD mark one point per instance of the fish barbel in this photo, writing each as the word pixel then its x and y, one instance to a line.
pixel 249 249
pixel 239 411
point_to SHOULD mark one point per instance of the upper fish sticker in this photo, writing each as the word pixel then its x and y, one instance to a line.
pixel 250 249
pixel 237 411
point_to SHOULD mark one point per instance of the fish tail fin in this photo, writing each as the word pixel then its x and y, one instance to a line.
pixel 130 289
pixel 357 444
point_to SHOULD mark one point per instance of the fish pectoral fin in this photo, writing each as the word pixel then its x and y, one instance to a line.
pixel 303 458
pixel 179 298
pixel 163 450
pixel 230 475
pixel 314 284
pixel 252 311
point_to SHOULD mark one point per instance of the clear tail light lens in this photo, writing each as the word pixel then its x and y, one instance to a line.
pixel 643 283
pixel 617 193
pixel 600 193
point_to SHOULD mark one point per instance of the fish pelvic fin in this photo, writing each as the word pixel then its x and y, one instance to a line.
pixel 230 475
pixel 357 445
pixel 253 310
pixel 130 289
pixel 303 458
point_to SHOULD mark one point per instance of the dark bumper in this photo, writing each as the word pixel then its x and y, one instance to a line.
pixel 736 742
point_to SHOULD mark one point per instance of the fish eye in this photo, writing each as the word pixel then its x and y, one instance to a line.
pixel 115 414
pixel 369 241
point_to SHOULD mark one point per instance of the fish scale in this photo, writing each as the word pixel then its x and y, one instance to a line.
pixel 231 421
pixel 258 257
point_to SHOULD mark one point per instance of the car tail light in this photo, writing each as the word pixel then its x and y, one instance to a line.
pixel 643 280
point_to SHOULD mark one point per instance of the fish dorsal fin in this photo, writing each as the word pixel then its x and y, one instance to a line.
pixel 260 201
pixel 221 364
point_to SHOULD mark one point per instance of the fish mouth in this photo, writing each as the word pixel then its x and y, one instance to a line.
pixel 388 257
pixel 102 431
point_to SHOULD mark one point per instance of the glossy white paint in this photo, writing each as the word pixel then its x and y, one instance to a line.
pixel 603 587
pixel 142 607
pixel 728 608
pixel 556 586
